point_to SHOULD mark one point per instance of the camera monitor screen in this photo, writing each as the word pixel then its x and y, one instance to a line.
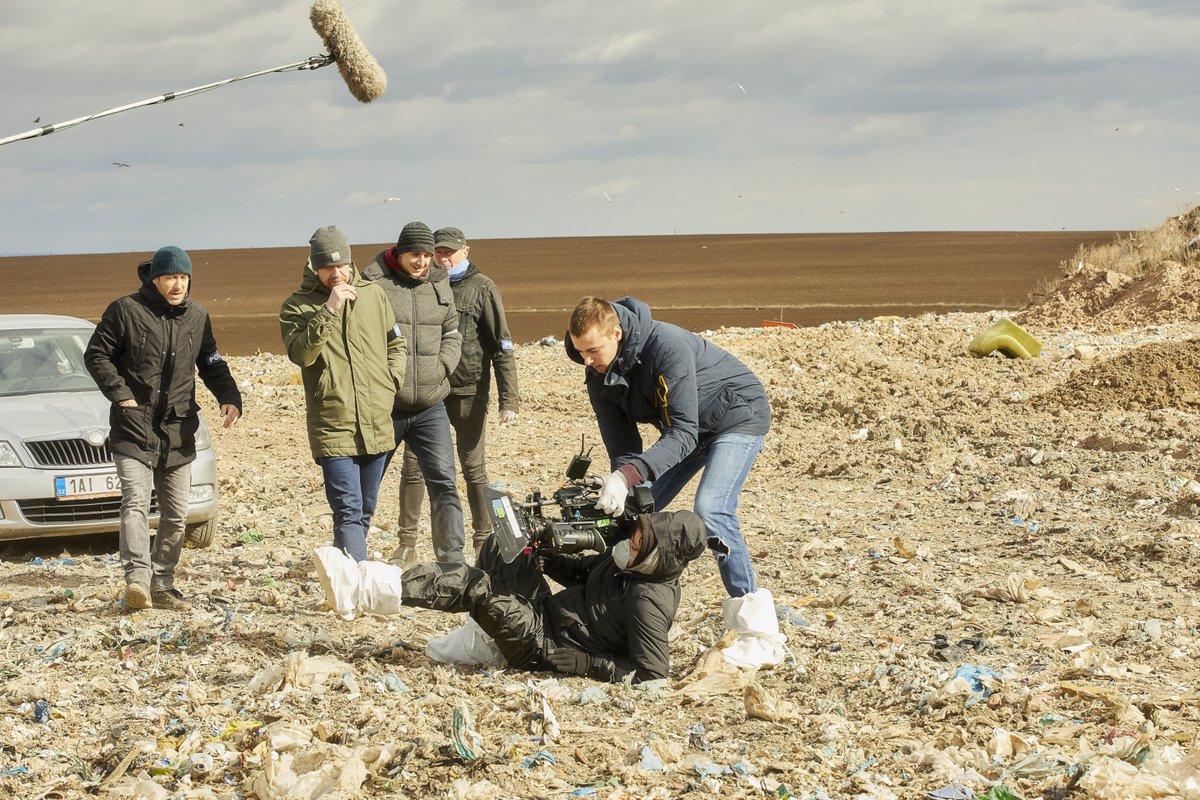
pixel 506 525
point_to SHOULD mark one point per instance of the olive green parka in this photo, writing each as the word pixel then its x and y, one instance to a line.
pixel 352 363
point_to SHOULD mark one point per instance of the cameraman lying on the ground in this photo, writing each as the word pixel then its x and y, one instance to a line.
pixel 610 620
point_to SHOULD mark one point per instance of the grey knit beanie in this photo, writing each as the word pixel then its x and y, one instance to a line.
pixel 170 260
pixel 328 247
pixel 415 237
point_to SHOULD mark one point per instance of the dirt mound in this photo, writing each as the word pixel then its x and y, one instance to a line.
pixel 1159 375
pixel 1106 300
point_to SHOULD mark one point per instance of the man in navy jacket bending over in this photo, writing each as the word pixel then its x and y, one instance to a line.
pixel 711 410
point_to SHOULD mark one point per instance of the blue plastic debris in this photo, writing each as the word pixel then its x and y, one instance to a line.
pixel 656 689
pixel 791 616
pixel 592 694
pixel 540 757
pixel 54 562
pixel 392 683
pixel 955 791
pixel 974 674
pixel 12 772
pixel 41 711
pixel 743 767
pixel 706 768
pixel 696 737
pixel 650 760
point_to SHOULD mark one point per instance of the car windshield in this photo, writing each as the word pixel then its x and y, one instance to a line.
pixel 33 361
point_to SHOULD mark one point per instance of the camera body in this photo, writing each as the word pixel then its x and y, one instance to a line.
pixel 579 526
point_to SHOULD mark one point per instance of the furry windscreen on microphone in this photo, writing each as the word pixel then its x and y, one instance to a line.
pixel 361 72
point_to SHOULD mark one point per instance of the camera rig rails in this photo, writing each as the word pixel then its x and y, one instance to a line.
pixel 580 526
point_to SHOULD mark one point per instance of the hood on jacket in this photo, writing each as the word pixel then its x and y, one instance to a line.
pixel 158 304
pixel 679 537
pixel 389 261
pixel 634 318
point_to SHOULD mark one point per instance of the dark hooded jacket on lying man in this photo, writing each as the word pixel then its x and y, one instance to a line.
pixel 606 623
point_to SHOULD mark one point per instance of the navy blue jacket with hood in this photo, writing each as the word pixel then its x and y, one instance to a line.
pixel 689 388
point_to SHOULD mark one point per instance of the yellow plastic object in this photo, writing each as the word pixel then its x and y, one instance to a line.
pixel 1009 338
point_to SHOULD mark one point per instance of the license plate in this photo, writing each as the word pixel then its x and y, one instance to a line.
pixel 77 486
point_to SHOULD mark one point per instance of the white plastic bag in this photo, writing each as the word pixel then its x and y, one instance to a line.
pixel 379 590
pixel 469 645
pixel 759 642
pixel 339 578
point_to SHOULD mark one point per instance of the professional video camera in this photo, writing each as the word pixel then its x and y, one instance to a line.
pixel 521 527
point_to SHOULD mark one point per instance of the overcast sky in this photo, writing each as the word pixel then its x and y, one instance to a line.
pixel 578 117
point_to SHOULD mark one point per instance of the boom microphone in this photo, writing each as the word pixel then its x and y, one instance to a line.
pixel 361 72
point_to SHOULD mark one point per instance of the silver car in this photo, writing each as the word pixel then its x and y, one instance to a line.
pixel 57 475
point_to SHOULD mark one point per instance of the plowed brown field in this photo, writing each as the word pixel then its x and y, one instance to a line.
pixel 699 282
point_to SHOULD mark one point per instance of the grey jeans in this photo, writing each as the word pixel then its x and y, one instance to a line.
pixel 145 562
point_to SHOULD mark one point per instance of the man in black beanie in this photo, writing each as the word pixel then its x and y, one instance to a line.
pixel 423 304
pixel 486 346
pixel 144 356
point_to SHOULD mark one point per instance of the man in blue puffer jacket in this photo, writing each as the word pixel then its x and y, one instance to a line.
pixel 711 410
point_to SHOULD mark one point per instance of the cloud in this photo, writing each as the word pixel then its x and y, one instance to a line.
pixel 981 116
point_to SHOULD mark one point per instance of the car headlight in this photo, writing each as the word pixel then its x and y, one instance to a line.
pixel 201 493
pixel 8 456
pixel 203 437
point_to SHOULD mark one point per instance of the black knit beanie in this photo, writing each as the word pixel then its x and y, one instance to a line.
pixel 415 237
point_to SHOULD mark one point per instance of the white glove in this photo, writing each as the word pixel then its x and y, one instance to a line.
pixel 508 417
pixel 612 494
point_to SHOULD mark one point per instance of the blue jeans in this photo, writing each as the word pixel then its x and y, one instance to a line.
pixel 468 417
pixel 352 488
pixel 726 463
pixel 426 434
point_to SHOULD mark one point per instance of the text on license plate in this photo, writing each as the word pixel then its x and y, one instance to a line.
pixel 76 486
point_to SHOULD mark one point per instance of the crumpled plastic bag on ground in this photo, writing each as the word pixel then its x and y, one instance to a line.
pixel 714 674
pixel 1167 773
pixel 759 642
pixel 329 772
pixel 468 645
pixel 763 705
pixel 298 670
pixel 365 587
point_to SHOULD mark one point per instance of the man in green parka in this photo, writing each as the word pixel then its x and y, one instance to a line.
pixel 338 328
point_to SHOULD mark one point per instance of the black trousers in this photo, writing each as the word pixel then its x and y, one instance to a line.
pixel 505 599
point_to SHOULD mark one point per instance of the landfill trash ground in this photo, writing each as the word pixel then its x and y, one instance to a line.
pixel 1035 521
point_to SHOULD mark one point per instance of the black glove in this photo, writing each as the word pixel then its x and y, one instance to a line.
pixel 569 660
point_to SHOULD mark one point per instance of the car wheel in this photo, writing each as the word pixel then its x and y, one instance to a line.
pixel 198 536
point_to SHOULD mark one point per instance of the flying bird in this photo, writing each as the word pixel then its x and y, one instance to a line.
pixel 120 164
pixel 37 121
pixel 390 199
pixel 743 88
pixel 606 197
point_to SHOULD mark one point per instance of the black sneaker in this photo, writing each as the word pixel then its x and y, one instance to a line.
pixel 171 599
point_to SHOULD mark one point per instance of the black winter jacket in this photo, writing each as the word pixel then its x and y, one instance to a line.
pixel 621 619
pixel 486 342
pixel 683 384
pixel 147 350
